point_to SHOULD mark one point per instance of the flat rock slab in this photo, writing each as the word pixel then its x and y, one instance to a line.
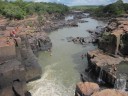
pixel 102 59
pixel 11 70
pixel 86 88
pixel 110 92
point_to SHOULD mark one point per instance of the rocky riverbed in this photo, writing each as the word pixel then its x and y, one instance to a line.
pixel 20 66
pixel 18 62
pixel 20 42
pixel 19 46
pixel 106 61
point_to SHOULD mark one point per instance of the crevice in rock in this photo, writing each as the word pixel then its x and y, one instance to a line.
pixel 16 94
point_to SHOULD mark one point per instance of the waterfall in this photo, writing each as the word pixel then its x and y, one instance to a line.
pixel 117 44
pixel 120 83
pixel 100 76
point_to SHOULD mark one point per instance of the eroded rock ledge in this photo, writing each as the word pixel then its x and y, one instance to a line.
pixel 18 61
pixel 106 61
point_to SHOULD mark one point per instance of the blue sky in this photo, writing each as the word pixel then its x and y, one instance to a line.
pixel 81 2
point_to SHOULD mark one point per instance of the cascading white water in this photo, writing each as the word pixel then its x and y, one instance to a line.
pixel 100 75
pixel 120 83
pixel 61 71
pixel 117 44
pixel 50 86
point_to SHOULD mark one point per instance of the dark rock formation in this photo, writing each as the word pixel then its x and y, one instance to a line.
pixel 82 21
pixel 39 42
pixel 80 15
pixel 101 62
pixel 124 44
pixel 2 27
pixel 112 25
pixel 12 79
pixel 107 43
pixel 96 34
pixel 113 48
pixel 80 40
pixel 114 39
pixel 18 63
pixel 73 24
pixel 33 70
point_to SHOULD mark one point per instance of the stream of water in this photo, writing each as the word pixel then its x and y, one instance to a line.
pixel 61 71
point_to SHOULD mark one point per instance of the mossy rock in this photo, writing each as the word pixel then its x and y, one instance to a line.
pixel 124 44
pixel 107 43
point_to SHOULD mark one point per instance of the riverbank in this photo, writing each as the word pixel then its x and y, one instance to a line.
pixel 62 70
pixel 31 37
pixel 19 46
pixel 108 64
pixel 25 38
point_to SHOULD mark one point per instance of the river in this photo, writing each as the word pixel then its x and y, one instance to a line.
pixel 61 71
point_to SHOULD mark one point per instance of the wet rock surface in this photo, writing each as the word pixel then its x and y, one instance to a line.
pixel 12 79
pixel 27 38
pixel 18 61
pixel 33 70
pixel 94 38
pixel 112 51
pixel 80 40
pixel 53 24
pixel 39 42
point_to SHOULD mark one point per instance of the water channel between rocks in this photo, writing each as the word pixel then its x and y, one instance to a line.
pixel 61 71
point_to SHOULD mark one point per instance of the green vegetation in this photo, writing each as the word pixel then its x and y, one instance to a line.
pixel 84 7
pixel 19 9
pixel 114 9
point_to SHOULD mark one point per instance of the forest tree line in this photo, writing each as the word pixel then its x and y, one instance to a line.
pixel 115 9
pixel 19 9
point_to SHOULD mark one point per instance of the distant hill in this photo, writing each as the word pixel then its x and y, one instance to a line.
pixel 84 7
pixel 114 9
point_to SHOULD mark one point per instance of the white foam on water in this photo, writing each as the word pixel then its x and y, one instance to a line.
pixel 48 85
pixel 121 82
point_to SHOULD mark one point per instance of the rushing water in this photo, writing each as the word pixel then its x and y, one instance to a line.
pixel 120 83
pixel 100 76
pixel 61 71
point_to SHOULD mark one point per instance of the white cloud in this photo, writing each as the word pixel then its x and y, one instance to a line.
pixel 82 2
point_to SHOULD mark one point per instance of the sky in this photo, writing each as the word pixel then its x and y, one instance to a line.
pixel 81 2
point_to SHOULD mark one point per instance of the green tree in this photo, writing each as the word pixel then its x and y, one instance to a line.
pixel 119 1
pixel 19 9
pixel 11 12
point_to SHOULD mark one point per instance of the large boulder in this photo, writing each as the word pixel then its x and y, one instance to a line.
pixel 112 24
pixel 29 60
pixel 40 42
pixel 110 92
pixel 107 43
pixel 114 39
pixel 12 78
pixel 86 88
pixel 124 44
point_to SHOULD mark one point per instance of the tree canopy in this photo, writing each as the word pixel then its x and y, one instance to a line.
pixel 19 9
pixel 114 9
